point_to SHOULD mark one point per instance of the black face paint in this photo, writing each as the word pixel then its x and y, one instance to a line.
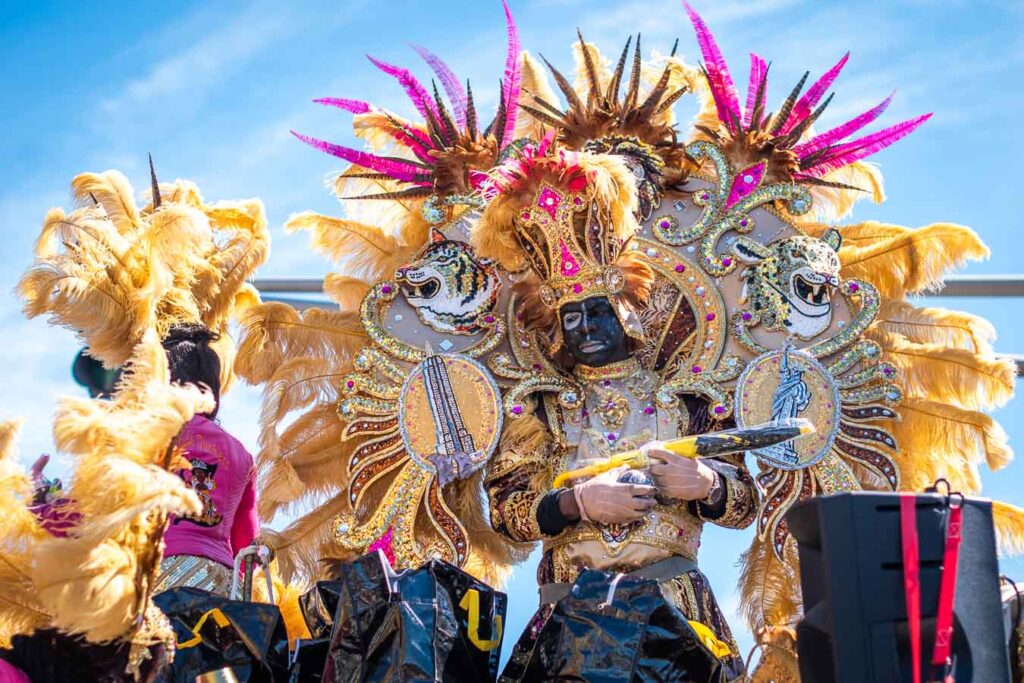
pixel 592 332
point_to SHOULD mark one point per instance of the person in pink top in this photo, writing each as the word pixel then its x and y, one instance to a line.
pixel 199 551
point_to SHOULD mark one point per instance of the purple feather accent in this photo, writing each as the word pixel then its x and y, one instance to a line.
pixel 512 79
pixel 397 170
pixel 354 106
pixel 757 70
pixel 723 90
pixel 844 155
pixel 845 130
pixel 806 104
pixel 413 88
pixel 452 87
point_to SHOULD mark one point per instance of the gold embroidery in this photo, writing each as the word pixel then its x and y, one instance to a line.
pixel 671 529
pixel 619 370
pixel 611 406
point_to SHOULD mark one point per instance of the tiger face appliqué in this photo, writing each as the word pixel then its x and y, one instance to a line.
pixel 449 287
pixel 790 282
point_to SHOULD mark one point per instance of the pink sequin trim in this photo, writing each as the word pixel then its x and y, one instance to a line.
pixel 745 182
pixel 569 264
pixel 385 543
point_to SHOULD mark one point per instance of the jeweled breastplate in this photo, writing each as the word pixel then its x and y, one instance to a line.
pixel 619 413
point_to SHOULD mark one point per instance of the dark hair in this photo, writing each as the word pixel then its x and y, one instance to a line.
pixel 191 359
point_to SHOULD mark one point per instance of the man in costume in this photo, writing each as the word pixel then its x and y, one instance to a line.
pixel 689 262
pixel 571 216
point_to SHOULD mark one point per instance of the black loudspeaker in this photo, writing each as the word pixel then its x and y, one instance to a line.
pixel 854 628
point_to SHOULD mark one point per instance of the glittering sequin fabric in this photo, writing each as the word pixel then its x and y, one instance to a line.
pixel 193 571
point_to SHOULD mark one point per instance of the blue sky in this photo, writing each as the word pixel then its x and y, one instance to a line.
pixel 211 89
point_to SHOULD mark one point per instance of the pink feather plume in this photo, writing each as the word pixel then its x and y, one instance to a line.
pixel 354 106
pixel 409 137
pixel 396 169
pixel 758 67
pixel 846 154
pixel 452 87
pixel 512 79
pixel 806 104
pixel 844 130
pixel 723 90
pixel 413 88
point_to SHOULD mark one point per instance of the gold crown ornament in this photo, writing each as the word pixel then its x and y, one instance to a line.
pixel 567 218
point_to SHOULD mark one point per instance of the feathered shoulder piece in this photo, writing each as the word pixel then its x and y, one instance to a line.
pixel 110 270
pixel 783 141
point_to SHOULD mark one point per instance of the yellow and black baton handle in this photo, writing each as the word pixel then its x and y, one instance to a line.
pixel 709 445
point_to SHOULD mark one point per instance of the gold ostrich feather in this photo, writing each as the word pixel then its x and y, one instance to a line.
pixel 951 329
pixel 97 582
pixel 306 547
pixel 857 181
pixel 110 270
pixel 359 250
pixel 1009 520
pixel 273 333
pixel 940 440
pixel 534 85
pixel 20 610
pixel 346 291
pixel 308 457
pixel 769 587
pixel 911 261
pixel 958 377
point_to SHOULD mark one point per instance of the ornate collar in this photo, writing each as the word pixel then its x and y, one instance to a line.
pixel 617 370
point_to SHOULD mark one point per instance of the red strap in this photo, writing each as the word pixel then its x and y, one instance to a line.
pixel 947 589
pixel 911 577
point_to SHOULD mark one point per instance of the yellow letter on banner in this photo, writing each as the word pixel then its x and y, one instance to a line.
pixel 471 603
pixel 218 618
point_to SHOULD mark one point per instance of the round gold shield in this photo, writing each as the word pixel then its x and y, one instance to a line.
pixel 450 405
pixel 787 384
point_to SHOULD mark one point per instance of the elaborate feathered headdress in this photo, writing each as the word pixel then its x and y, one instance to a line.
pixel 599 117
pixel 110 270
pixel 567 217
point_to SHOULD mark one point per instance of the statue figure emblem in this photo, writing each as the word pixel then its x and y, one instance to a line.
pixel 791 398
pixel 784 384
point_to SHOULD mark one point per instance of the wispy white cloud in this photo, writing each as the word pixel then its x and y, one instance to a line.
pixel 214 58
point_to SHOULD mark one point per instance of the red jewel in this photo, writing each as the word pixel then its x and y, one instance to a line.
pixel 854 286
pixel 680 267
pixel 709 317
pixel 350 384
pixel 386 289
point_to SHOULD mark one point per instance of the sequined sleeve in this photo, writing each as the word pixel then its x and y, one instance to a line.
pixel 735 506
pixel 516 477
